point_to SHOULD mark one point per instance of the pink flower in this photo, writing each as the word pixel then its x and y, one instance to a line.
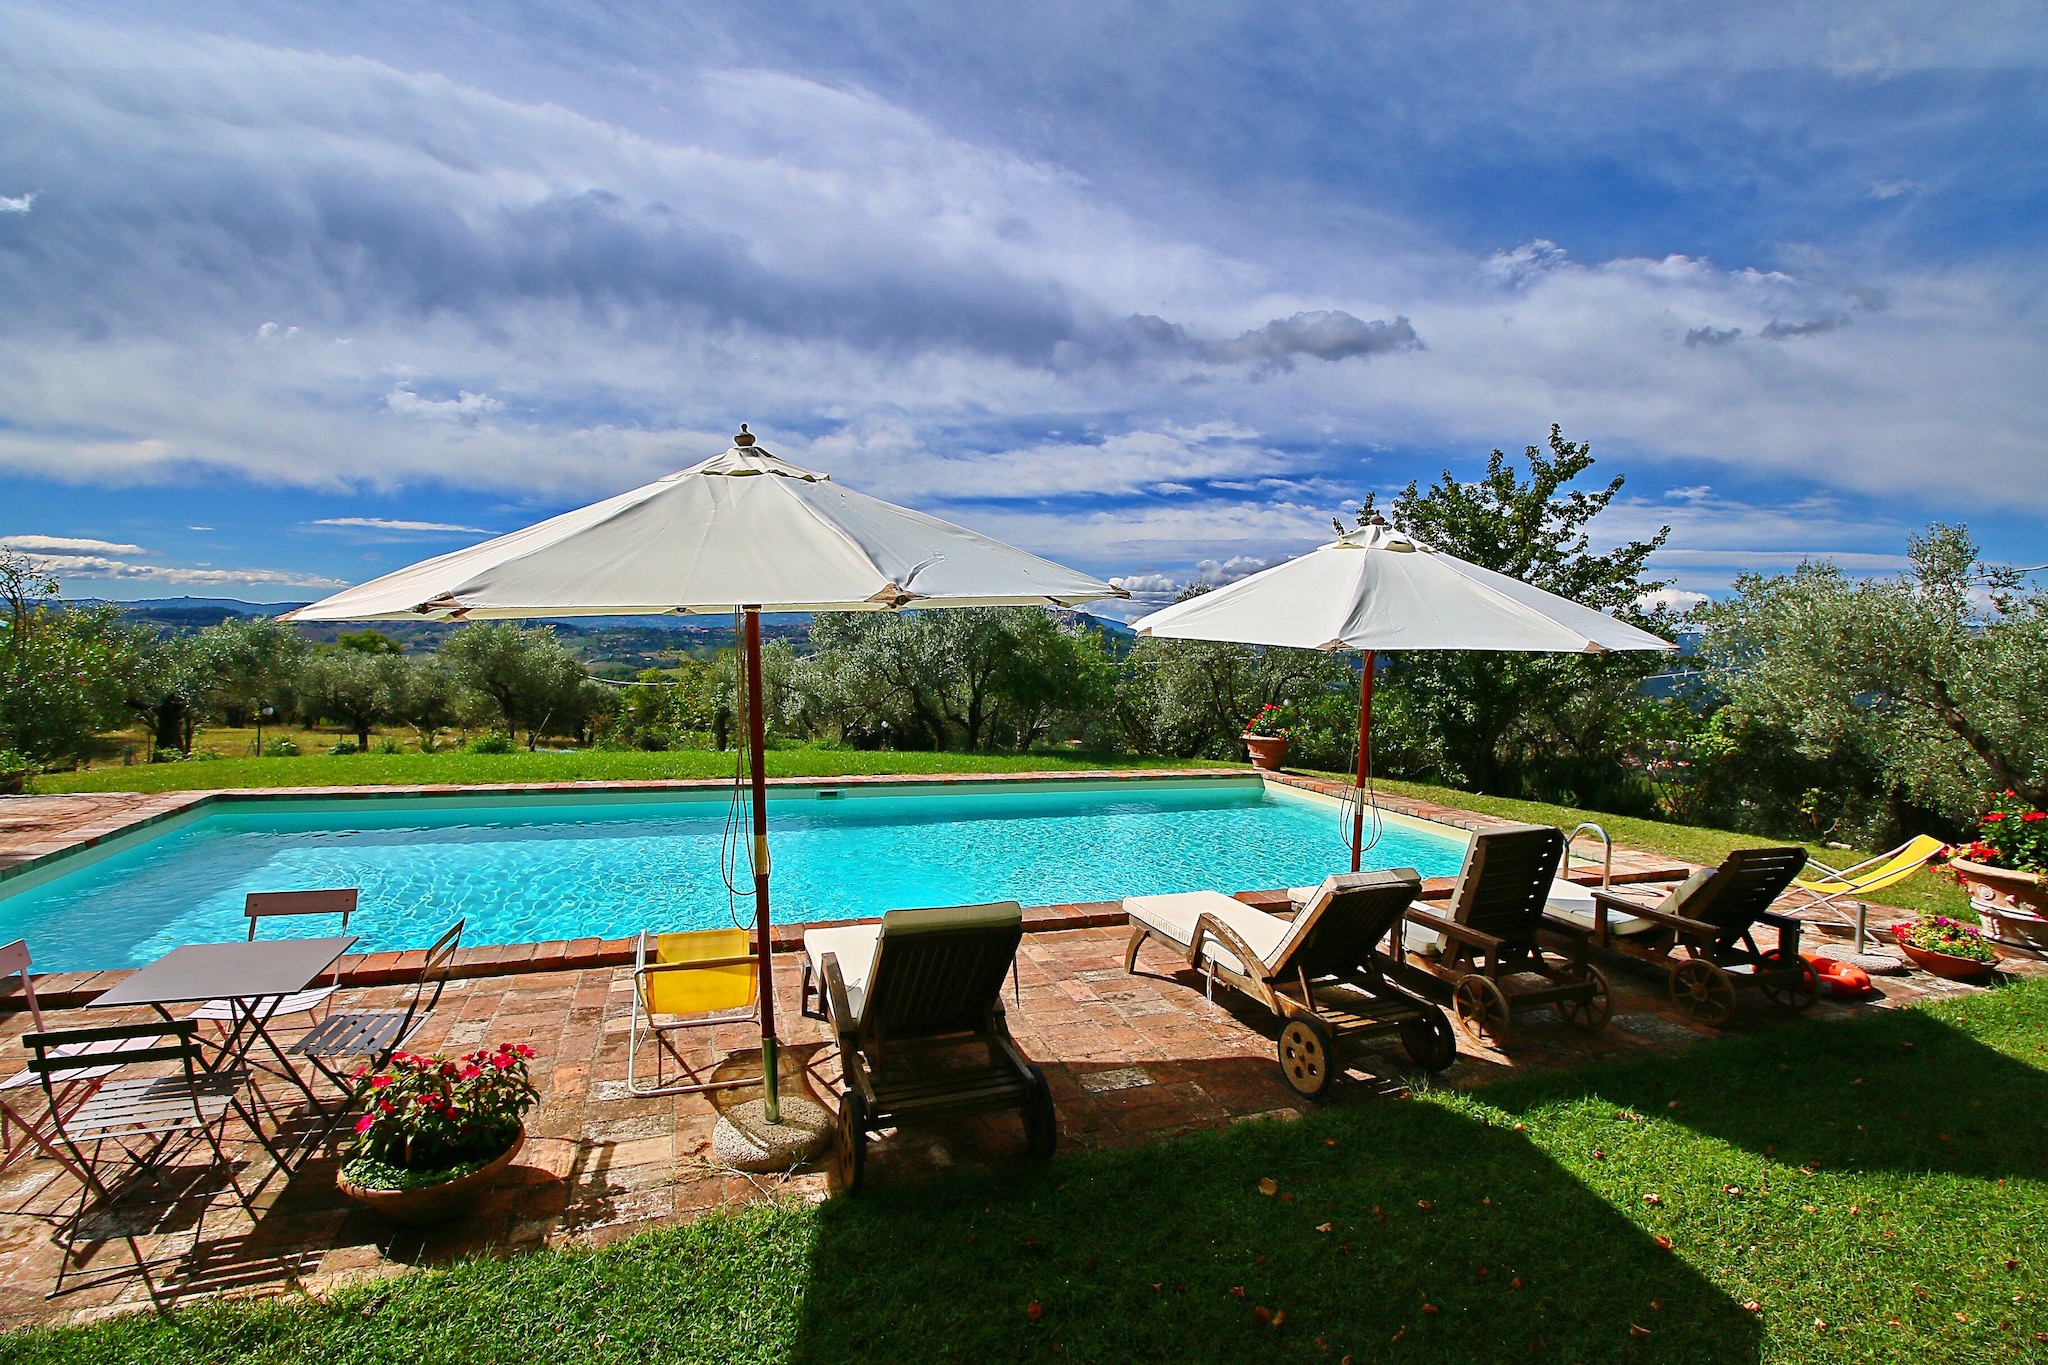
pixel 366 1123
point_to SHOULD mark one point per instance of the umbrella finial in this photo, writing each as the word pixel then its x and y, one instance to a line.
pixel 745 438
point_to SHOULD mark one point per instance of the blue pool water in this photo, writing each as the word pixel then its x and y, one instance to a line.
pixel 521 869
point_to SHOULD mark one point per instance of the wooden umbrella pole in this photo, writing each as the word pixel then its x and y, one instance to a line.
pixel 1364 756
pixel 757 755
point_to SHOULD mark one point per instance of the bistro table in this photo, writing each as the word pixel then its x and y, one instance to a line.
pixel 254 978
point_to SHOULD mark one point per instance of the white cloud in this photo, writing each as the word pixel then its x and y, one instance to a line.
pixel 465 405
pixel 1675 600
pixel 77 544
pixel 20 203
pixel 388 524
pixel 1892 189
pixel 100 567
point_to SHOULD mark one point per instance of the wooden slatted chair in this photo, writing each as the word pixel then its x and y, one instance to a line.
pixel 935 978
pixel 1318 972
pixel 1704 935
pixel 1490 945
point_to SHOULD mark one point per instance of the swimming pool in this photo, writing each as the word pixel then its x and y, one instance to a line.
pixel 524 868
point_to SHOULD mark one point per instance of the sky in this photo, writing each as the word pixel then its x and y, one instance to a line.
pixel 294 294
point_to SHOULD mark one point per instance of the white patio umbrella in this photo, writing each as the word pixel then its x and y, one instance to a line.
pixel 743 531
pixel 1376 589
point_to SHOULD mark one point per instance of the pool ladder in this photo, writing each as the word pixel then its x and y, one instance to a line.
pixel 1607 860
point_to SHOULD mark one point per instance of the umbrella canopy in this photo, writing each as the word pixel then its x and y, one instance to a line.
pixel 742 531
pixel 744 528
pixel 1378 589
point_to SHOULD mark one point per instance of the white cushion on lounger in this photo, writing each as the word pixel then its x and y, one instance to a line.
pixel 854 945
pixel 1173 917
pixel 1573 904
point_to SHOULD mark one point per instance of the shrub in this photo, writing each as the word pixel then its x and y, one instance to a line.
pixel 495 742
pixel 389 745
pixel 166 755
pixel 280 748
pixel 342 746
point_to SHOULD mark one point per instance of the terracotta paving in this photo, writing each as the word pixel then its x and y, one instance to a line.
pixel 1131 1059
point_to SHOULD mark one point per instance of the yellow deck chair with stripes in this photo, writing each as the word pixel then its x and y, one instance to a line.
pixel 685 981
pixel 1833 886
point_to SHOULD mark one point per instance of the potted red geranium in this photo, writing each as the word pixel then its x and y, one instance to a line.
pixel 1946 947
pixel 436 1132
pixel 2006 867
pixel 1265 737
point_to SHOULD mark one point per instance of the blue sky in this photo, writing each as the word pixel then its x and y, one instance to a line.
pixel 293 294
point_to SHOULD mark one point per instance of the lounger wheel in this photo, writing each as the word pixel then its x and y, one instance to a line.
pixel 1703 991
pixel 1797 994
pixel 1590 1011
pixel 1041 1120
pixel 1481 1005
pixel 850 1152
pixel 1429 1039
pixel 1306 1047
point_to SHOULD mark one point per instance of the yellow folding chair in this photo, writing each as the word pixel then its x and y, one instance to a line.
pixel 1872 874
pixel 686 981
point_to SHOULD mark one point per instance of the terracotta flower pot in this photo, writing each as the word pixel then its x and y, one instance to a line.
pixel 1941 964
pixel 1268 751
pixel 431 1204
pixel 2028 889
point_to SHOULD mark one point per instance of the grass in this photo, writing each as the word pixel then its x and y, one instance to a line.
pixel 588 765
pixel 1876 1188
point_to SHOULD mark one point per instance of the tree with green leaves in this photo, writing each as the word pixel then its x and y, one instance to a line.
pixel 527 674
pixel 61 667
pixel 352 686
pixel 1928 682
pixel 1545 726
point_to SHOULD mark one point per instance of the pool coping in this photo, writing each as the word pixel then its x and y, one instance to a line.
pixel 65 990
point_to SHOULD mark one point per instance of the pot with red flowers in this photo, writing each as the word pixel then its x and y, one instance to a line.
pixel 1265 737
pixel 1947 947
pixel 436 1132
pixel 2006 868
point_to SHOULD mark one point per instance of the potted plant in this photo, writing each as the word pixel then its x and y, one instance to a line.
pixel 2006 867
pixel 1265 737
pixel 437 1132
pixel 15 771
pixel 1946 947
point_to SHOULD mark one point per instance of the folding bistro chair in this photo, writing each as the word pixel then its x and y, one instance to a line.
pixel 1488 944
pixel 146 1121
pixel 1318 972
pixel 22 1133
pixel 262 905
pixel 934 978
pixel 347 1044
pixel 693 980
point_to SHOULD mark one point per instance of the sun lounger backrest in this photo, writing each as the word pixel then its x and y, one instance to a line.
pixel 1743 887
pixel 1506 880
pixel 1349 913
pixel 940 971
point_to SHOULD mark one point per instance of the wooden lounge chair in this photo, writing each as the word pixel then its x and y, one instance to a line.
pixel 934 978
pixel 693 980
pixel 1318 972
pixel 1703 934
pixel 1489 945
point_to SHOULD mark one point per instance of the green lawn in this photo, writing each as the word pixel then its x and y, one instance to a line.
pixel 590 765
pixel 1870 1186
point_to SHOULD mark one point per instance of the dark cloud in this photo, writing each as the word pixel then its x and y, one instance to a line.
pixel 1327 334
pixel 1712 336
pixel 1785 331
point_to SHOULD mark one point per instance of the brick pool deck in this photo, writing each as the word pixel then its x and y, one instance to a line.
pixel 1131 1059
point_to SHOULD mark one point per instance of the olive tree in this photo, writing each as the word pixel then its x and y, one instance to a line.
pixel 62 668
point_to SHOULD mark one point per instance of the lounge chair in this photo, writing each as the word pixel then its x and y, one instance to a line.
pixel 693 980
pixel 1833 887
pixel 1490 943
pixel 1318 972
pixel 1702 933
pixel 931 977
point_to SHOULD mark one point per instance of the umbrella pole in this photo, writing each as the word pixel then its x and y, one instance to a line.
pixel 758 761
pixel 1364 751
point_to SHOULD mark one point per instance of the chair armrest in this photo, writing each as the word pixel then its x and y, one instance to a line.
pixel 836 1005
pixel 1450 928
pixel 1696 927
pixel 1781 922
pixel 1209 925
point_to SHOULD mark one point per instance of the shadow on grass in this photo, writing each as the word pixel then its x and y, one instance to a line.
pixel 1448 1239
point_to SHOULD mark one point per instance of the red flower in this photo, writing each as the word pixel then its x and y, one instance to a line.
pixel 379 1082
pixel 366 1123
pixel 1994 815
pixel 2031 816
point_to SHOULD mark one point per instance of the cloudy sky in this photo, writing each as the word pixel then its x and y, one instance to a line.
pixel 292 294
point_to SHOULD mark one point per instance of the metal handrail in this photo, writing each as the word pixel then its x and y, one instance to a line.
pixel 1607 865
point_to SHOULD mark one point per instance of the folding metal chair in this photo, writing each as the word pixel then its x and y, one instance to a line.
pixel 22 1133
pixel 693 980
pixel 347 1045
pixel 262 905
pixel 146 1121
